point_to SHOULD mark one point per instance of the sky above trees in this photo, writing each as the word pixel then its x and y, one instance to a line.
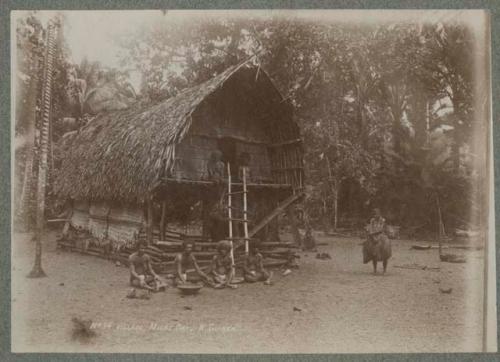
pixel 93 34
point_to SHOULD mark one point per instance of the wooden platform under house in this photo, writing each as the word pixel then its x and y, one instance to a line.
pixel 226 151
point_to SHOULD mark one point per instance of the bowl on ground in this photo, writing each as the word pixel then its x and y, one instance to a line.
pixel 189 289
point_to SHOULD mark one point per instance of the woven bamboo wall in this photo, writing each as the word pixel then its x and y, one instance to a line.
pixel 105 220
pixel 286 153
pixel 193 154
pixel 237 113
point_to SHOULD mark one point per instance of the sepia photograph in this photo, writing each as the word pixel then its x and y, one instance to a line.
pixel 252 181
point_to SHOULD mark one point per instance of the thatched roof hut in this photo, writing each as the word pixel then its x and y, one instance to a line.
pixel 120 155
pixel 161 154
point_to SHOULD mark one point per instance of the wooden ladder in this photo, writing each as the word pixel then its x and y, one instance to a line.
pixel 230 208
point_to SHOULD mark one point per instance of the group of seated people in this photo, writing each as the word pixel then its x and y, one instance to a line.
pixel 220 272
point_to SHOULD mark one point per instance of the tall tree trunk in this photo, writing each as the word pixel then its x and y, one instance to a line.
pixel 333 181
pixel 441 229
pixel 362 122
pixel 37 270
pixel 455 148
pixel 458 116
pixel 419 116
pixel 26 204
pixel 396 132
pixel 335 208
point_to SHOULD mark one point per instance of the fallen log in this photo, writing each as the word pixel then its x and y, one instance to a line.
pixel 465 247
pixel 166 261
pixel 422 247
pixel 277 244
pixel 451 258
pixel 195 253
pixel 178 244
pixel 155 249
pixel 281 256
pixel 416 267
pixel 277 251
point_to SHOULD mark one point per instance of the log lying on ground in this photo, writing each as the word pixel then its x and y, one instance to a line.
pixel 162 265
pixel 178 244
pixel 277 251
pixel 423 247
pixel 266 244
pixel 416 267
pixel 465 247
pixel 163 252
pixel 452 258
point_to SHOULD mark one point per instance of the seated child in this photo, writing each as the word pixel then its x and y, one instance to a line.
pixel 253 267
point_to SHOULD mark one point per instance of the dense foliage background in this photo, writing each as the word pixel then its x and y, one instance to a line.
pixel 386 111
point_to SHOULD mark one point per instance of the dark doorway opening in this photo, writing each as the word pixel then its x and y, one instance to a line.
pixel 228 148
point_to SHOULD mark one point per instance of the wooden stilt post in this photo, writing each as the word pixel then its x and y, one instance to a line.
pixel 441 231
pixel 230 213
pixel 163 219
pixel 245 208
pixel 150 220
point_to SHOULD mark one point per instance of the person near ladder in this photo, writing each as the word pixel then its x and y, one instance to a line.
pixel 222 267
pixel 186 265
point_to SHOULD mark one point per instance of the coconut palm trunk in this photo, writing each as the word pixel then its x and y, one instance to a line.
pixel 28 192
pixel 37 270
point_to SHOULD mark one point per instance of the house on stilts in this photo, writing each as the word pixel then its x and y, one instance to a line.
pixel 139 169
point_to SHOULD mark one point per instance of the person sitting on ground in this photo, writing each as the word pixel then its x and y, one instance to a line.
pixel 222 268
pixel 142 274
pixel 185 261
pixel 378 246
pixel 253 267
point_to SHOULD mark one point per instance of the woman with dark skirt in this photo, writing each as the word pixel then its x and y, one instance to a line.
pixel 378 246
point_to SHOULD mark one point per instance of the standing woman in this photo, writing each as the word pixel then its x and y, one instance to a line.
pixel 378 246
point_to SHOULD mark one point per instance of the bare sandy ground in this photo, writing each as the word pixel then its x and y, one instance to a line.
pixel 334 306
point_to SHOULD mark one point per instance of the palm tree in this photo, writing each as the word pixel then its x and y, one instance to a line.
pixel 37 270
pixel 92 89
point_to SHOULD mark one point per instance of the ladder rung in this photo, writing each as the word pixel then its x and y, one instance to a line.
pixel 237 192
pixel 238 208
pixel 241 220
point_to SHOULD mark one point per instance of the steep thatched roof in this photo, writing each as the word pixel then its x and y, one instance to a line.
pixel 119 154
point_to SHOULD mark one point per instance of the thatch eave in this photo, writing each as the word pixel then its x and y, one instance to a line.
pixel 119 154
